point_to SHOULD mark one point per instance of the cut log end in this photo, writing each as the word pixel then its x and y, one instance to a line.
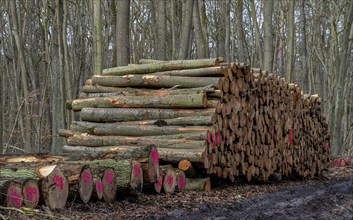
pixel 170 180
pixel 98 188
pixel 153 165
pixel 14 196
pixel 159 184
pixel 181 180
pixel 85 184
pixel 55 189
pixel 109 183
pixel 136 178
pixel 30 191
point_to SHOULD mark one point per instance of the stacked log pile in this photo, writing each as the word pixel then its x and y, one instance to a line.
pixel 227 119
pixel 207 119
pixel 267 127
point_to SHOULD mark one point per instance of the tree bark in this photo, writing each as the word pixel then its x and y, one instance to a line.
pixel 155 81
pixel 131 130
pixel 24 80
pixel 161 31
pixel 97 38
pixel 198 184
pixel 99 141
pixel 258 49
pixel 123 33
pixel 199 36
pixel 340 84
pixel 242 52
pixel 185 29
pixel 171 101
pixel 305 74
pixel 164 66
pixel 291 39
pixel 268 45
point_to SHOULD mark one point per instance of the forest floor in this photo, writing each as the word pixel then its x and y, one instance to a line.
pixel 327 197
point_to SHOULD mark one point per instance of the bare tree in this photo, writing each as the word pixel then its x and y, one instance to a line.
pixel 161 31
pixel 199 36
pixel 305 74
pixel 340 83
pixel 242 50
pixel 291 32
pixel 185 28
pixel 268 45
pixel 122 33
pixel 97 38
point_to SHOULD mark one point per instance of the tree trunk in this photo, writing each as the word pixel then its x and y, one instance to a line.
pixel 199 36
pixel 258 49
pixel 24 80
pixel 344 62
pixel 123 33
pixel 161 31
pixel 97 38
pixel 163 66
pixel 131 130
pixel 305 74
pixel 291 39
pixel 139 114
pixel 171 101
pixel 268 45
pixel 242 51
pixel 185 29
pixel 99 141
pixel 156 81
pixel 57 116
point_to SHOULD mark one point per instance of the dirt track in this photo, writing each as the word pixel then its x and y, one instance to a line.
pixel 326 201
pixel 328 197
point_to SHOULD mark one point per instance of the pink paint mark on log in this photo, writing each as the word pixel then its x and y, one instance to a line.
pixel 154 154
pixel 136 170
pixel 273 133
pixel 213 136
pixel 343 163
pixel 109 177
pixel 99 186
pixel 324 146
pixel 31 193
pixel 14 197
pixel 86 176
pixel 336 162
pixel 291 136
pixel 170 180
pixel 160 181
pixel 181 182
pixel 59 181
pixel 214 145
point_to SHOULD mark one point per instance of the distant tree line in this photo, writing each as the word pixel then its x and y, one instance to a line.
pixel 48 48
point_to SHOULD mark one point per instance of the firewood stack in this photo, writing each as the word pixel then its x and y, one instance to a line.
pixel 198 119
pixel 228 119
pixel 268 128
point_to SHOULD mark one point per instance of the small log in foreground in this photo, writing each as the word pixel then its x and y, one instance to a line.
pixel 198 184
pixel 54 187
